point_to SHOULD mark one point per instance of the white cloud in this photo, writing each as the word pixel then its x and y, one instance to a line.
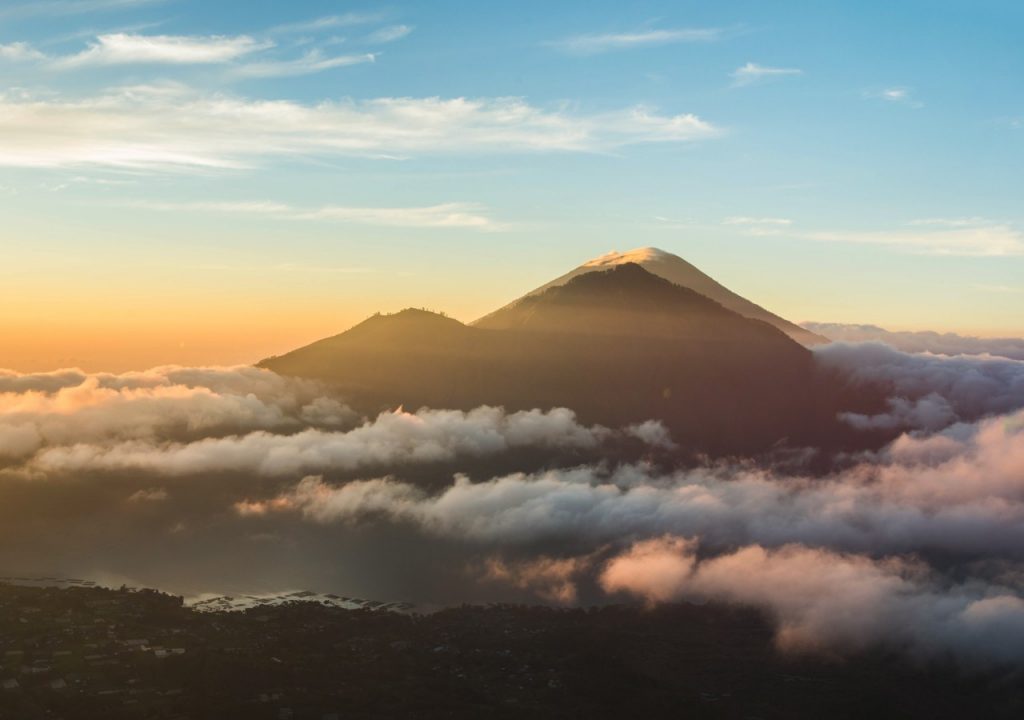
pixel 327 22
pixel 20 52
pixel 71 7
pixel 838 560
pixel 126 48
pixel 392 438
pixel 449 215
pixel 40 410
pixel 898 95
pixel 952 222
pixel 553 579
pixel 928 391
pixel 926 341
pixel 594 44
pixel 390 33
pixel 759 226
pixel 172 127
pixel 958 493
pixel 445 215
pixel 825 601
pixel 312 62
pixel 1000 289
pixel 752 72
pixel 985 240
pixel 756 221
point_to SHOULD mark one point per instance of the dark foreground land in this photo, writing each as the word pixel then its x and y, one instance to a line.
pixel 96 653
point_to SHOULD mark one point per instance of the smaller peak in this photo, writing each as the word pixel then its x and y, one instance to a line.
pixel 411 315
pixel 637 255
pixel 411 312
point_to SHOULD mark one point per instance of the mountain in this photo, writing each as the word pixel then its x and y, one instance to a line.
pixel 618 346
pixel 676 270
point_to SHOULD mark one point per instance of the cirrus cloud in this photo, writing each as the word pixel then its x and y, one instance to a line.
pixel 127 48
pixel 169 126
pixel 605 42
pixel 753 73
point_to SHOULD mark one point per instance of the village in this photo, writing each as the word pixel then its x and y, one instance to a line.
pixel 73 650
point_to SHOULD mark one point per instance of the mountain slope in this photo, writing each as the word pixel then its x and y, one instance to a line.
pixel 676 270
pixel 617 346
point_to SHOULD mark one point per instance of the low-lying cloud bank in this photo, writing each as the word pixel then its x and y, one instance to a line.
pixel 927 392
pixel 960 493
pixel 184 421
pixel 822 600
pixel 919 547
pixel 176 472
pixel 393 438
pixel 922 341
pixel 39 410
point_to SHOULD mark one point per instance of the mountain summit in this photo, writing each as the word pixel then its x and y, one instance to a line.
pixel 677 271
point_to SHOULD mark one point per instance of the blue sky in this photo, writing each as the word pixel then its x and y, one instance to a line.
pixel 169 169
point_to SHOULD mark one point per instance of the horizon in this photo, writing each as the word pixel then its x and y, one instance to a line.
pixel 146 361
pixel 186 184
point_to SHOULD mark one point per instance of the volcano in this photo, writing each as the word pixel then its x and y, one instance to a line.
pixel 676 270
pixel 617 344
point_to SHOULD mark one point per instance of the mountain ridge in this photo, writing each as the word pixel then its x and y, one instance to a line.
pixel 618 346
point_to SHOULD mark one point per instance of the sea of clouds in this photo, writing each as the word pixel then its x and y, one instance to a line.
pixel 237 479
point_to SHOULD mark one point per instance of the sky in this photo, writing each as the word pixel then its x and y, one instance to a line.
pixel 203 183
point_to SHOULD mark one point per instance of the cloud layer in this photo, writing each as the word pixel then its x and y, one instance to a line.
pixel 960 493
pixel 606 42
pixel 922 342
pixel 927 392
pixel 126 48
pixel 170 126
pixel 823 600
pixel 445 215
pixel 753 73
pixel 917 545
pixel 393 438
pixel 46 410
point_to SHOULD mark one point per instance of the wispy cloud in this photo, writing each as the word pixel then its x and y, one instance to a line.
pixel 980 240
pixel 170 126
pixel 756 221
pixel 965 237
pixel 896 95
pixel 312 62
pixel 448 215
pixel 20 51
pixel 444 215
pixel 595 44
pixel 125 48
pixel 759 226
pixel 70 7
pixel 753 73
pixel 327 22
pixel 952 222
pixel 1001 289
pixel 389 34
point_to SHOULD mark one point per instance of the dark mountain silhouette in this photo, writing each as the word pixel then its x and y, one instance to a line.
pixel 617 346
pixel 676 270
